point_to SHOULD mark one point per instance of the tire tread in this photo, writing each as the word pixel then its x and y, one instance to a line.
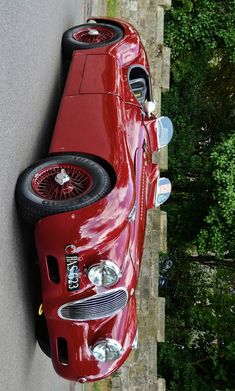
pixel 32 211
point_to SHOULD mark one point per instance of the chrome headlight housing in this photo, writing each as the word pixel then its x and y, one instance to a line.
pixel 105 273
pixel 107 350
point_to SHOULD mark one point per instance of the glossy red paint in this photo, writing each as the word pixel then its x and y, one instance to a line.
pixel 100 116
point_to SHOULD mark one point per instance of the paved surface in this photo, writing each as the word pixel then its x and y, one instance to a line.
pixel 30 88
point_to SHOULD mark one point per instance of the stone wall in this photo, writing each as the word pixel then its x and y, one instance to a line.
pixel 139 373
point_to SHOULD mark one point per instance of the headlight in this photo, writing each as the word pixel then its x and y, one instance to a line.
pixel 105 273
pixel 107 350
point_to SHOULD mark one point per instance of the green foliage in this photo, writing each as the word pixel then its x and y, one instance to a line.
pixel 96 387
pixel 219 233
pixel 111 8
pixel 175 365
pixel 200 328
pixel 200 294
pixel 197 31
pixel 201 103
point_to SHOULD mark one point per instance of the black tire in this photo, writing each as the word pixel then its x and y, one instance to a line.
pixel 41 330
pixel 69 43
pixel 42 335
pixel 43 339
pixel 33 206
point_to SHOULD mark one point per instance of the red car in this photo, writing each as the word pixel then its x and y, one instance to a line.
pixel 88 200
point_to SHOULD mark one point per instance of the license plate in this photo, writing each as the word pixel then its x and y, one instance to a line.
pixel 73 273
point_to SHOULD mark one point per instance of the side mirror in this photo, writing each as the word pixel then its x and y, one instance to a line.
pixel 149 107
pixel 163 191
pixel 164 131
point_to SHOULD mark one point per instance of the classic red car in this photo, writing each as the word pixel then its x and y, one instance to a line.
pixel 88 200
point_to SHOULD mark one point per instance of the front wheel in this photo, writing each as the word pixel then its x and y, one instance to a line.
pixel 89 36
pixel 60 184
pixel 42 335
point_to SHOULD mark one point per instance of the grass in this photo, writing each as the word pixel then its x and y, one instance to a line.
pixel 111 11
pixel 103 385
pixel 96 387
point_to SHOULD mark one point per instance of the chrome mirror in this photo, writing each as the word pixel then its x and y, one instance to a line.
pixel 163 191
pixel 164 131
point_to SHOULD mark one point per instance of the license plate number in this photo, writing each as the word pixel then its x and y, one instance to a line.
pixel 73 282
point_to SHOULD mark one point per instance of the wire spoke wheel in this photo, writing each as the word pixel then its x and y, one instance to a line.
pixel 45 185
pixel 94 35
pixel 90 36
pixel 60 184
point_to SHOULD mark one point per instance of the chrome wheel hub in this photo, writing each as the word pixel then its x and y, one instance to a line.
pixel 62 177
pixel 93 32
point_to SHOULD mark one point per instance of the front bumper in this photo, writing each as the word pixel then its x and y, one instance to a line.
pixel 79 337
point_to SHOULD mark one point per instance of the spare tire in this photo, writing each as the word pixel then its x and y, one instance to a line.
pixel 89 36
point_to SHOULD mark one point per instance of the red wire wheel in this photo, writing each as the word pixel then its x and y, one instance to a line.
pixel 96 34
pixel 89 36
pixel 45 185
pixel 60 184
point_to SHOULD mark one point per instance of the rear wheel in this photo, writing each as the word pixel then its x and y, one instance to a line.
pixel 60 184
pixel 88 36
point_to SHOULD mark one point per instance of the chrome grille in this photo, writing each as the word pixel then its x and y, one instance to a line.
pixel 96 306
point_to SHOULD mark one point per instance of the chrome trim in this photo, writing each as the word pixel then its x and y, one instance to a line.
pixel 111 265
pixel 93 298
pixel 111 343
pixel 132 214
pixel 136 341
pixel 62 177
pixel 93 32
